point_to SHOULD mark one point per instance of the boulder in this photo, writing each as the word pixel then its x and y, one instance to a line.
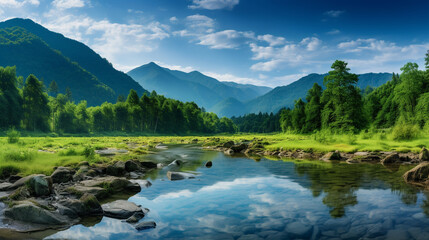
pixel 116 169
pixel 80 190
pixel 229 152
pixel 418 175
pixel 391 159
pixel 91 205
pixel 238 148
pixel 299 229
pixel 209 164
pixel 22 181
pixel 5 186
pixel 331 156
pixel 62 174
pixel 73 205
pixel 40 185
pixel 228 144
pixel 135 217
pixel 121 209
pixel 113 184
pixel 148 164
pixel 132 165
pixel 424 154
pixel 179 175
pixel 27 211
pixel 145 225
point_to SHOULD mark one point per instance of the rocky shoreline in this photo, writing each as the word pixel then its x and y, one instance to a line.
pixel 38 202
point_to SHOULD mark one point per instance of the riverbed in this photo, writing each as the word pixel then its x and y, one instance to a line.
pixel 244 198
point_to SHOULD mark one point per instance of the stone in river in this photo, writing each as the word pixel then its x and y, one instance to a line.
pixel 397 234
pixel 27 211
pixel 121 209
pixel 145 225
pixel 179 175
pixel 299 229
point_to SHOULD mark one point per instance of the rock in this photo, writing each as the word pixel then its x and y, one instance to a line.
pixel 65 211
pixel 355 232
pixel 113 184
pixel 209 164
pixel 21 182
pixel 135 217
pixel 331 156
pixel 391 159
pixel 62 174
pixel 40 185
pixel 238 148
pixel 5 186
pixel 143 183
pixel 397 234
pixel 14 178
pixel 229 152
pixel 228 144
pixel 179 175
pixel 91 205
pixel 145 225
pixel 148 164
pixel 110 151
pixel 132 165
pixel 160 165
pixel 28 212
pixel 116 169
pixel 73 205
pixel 121 209
pixel 136 175
pixel 299 229
pixel 79 190
pixel 418 174
pixel 424 154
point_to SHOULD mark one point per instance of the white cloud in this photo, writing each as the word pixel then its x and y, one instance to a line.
pixel 312 43
pixel 18 4
pixel 288 79
pixel 334 13
pixel 213 4
pixel 226 77
pixel 199 21
pixel 176 67
pixel 66 4
pixel 272 40
pixel 333 32
pixel 174 19
pixel 226 39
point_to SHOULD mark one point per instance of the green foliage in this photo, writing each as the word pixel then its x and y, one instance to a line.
pixel 36 109
pixel 10 98
pixel 402 132
pixel 18 155
pixel 7 171
pixel 323 136
pixel 69 152
pixel 260 123
pixel 88 152
pixel 12 135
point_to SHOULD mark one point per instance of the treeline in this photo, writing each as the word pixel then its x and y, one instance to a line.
pixel 258 123
pixel 29 106
pixel 402 102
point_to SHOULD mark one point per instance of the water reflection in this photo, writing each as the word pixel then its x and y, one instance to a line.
pixel 239 198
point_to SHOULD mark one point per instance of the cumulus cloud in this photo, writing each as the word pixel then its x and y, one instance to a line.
pixel 17 4
pixel 334 13
pixel 311 43
pixel 174 19
pixel 226 39
pixel 272 40
pixel 226 77
pixel 213 4
pixel 66 4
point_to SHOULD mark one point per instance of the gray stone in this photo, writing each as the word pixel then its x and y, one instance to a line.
pixel 355 232
pixel 132 165
pixel 391 159
pixel 135 217
pixel 299 229
pixel 179 175
pixel 114 184
pixel 331 156
pixel 238 148
pixel 81 190
pixel 22 181
pixel 28 212
pixel 145 225
pixel 229 151
pixel 116 169
pixel 40 185
pixel 418 174
pixel 5 186
pixel 62 174
pixel 121 209
pixel 91 205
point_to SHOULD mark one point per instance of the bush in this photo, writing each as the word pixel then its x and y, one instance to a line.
pixel 88 152
pixel 323 136
pixel 68 152
pixel 405 132
pixel 13 136
pixel 351 138
pixel 18 155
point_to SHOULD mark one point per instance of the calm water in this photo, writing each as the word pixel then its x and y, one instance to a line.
pixel 243 198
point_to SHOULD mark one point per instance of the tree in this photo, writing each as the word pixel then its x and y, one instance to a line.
pixel 36 109
pixel 342 100
pixel 82 117
pixel 427 61
pixel 298 115
pixel 10 98
pixel 69 94
pixel 53 88
pixel 313 109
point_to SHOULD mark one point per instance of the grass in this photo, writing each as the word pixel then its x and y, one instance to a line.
pixel 41 154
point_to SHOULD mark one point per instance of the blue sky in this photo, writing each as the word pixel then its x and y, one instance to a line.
pixel 262 42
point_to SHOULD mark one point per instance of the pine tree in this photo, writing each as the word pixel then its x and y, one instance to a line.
pixel 36 109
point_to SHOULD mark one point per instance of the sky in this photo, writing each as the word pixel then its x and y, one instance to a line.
pixel 262 42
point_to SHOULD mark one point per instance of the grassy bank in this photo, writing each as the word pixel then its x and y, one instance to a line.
pixel 40 154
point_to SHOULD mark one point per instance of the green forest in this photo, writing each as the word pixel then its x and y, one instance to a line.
pixel 31 106
pixel 402 104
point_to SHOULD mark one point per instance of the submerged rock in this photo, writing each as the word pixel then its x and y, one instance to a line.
pixel 209 164
pixel 299 229
pixel 121 209
pixel 238 148
pixel 179 175
pixel 331 156
pixel 135 217
pixel 145 225
pixel 418 175
pixel 148 164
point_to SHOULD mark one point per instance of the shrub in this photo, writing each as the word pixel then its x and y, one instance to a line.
pixel 323 136
pixel 18 155
pixel 405 132
pixel 13 136
pixel 351 138
pixel 88 152
pixel 68 152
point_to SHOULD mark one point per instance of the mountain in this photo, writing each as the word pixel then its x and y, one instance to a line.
pixel 80 54
pixel 227 107
pixel 285 96
pixel 252 89
pixel 32 55
pixel 194 86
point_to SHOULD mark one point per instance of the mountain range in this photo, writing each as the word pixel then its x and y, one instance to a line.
pixel 50 56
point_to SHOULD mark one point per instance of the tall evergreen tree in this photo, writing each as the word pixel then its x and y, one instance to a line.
pixel 10 98
pixel 298 115
pixel 313 109
pixel 36 109
pixel 53 88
